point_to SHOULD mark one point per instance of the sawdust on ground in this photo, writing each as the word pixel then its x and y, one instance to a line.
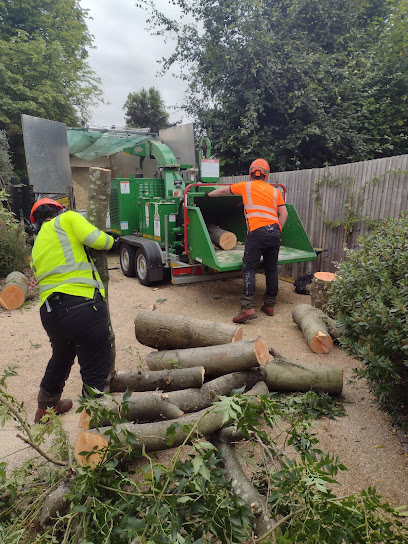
pixel 364 439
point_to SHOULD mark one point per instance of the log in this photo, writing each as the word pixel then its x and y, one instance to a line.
pixel 217 360
pixel 56 502
pixel 164 380
pixel 15 291
pixel 149 436
pixel 96 213
pixel 169 331
pixel 193 400
pixel 223 239
pixel 312 322
pixel 319 290
pixel 285 374
pixel 141 407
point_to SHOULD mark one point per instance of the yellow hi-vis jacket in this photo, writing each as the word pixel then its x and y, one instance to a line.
pixel 59 260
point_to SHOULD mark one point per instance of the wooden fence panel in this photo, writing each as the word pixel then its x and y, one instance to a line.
pixel 379 189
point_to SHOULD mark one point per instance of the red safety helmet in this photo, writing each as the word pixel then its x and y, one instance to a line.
pixel 40 203
pixel 259 168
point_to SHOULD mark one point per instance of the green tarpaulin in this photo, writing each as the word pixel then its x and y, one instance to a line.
pixel 91 144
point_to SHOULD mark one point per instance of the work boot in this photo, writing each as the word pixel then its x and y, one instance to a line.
pixel 59 408
pixel 268 310
pixel 245 315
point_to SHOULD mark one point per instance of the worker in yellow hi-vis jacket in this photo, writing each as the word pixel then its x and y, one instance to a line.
pixel 73 309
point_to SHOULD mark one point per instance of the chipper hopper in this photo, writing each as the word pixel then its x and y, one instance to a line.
pixel 167 229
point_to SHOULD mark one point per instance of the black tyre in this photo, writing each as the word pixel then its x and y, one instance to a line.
pixel 142 268
pixel 127 260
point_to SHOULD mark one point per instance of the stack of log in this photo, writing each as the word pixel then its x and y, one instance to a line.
pixel 193 363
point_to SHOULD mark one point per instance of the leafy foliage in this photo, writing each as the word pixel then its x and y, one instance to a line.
pixel 5 161
pixel 370 298
pixel 189 501
pixel 43 64
pixel 14 249
pixel 300 83
pixel 146 109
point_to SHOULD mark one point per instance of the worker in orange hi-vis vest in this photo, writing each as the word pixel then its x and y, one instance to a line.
pixel 265 214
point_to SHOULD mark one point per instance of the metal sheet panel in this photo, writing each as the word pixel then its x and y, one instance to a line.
pixel 180 140
pixel 47 157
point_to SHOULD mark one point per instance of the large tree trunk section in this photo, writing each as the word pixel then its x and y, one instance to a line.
pixel 96 213
pixel 285 374
pixel 193 400
pixel 164 380
pixel 169 331
pixel 141 407
pixel 223 239
pixel 15 291
pixel 217 360
pixel 150 436
pixel 313 323
pixel 319 289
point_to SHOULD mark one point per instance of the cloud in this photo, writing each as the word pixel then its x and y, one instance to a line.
pixel 126 58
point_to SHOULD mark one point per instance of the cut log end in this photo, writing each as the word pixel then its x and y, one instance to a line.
pixel 238 334
pixel 325 276
pixel 88 441
pixel 84 420
pixel 228 241
pixel 321 342
pixel 12 297
pixel 261 351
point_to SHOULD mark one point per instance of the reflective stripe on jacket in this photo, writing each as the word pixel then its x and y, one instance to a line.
pixel 261 202
pixel 59 260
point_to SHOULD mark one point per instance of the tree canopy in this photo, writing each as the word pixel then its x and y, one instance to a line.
pixel 43 64
pixel 146 109
pixel 302 83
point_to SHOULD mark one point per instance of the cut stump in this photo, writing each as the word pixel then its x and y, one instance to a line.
pixel 169 331
pixel 319 289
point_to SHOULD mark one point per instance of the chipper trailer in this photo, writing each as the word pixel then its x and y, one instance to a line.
pixel 163 224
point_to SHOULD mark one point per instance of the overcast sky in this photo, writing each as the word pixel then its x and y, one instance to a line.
pixel 125 58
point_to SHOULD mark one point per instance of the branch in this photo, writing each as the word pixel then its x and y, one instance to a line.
pixel 27 429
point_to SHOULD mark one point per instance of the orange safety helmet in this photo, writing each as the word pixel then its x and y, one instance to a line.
pixel 40 203
pixel 259 168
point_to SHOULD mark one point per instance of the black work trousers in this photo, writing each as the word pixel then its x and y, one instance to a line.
pixel 76 326
pixel 263 242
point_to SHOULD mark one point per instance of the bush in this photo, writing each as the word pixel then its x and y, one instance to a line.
pixel 14 250
pixel 370 299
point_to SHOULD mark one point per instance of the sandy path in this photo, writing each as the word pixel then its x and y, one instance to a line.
pixel 364 439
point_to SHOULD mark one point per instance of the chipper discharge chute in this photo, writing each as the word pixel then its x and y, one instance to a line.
pixel 168 229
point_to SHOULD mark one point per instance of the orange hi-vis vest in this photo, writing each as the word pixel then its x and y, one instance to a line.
pixel 261 202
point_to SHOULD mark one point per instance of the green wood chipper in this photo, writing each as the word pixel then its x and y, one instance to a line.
pixel 161 224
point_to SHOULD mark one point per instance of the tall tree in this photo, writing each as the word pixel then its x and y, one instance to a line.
pixel 43 65
pixel 146 109
pixel 302 83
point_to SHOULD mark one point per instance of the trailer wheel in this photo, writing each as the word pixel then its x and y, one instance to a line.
pixel 127 260
pixel 142 268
